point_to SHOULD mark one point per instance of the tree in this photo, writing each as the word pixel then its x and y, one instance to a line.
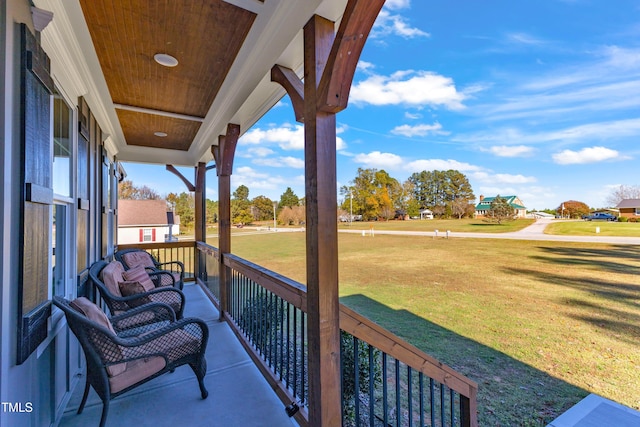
pixel 437 190
pixel 499 211
pixel 623 192
pixel 292 215
pixel 262 208
pixel 375 194
pixel 240 206
pixel 288 198
pixel 573 209
pixel 461 207
pixel 128 191
pixel 211 209
pixel 183 205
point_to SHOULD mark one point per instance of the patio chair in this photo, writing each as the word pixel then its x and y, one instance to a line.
pixel 117 362
pixel 122 291
pixel 133 257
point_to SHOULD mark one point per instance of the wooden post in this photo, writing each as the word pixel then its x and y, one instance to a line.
pixel 223 154
pixel 200 202
pixel 322 235
pixel 329 65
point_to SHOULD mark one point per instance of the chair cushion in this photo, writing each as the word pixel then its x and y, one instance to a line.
pixel 111 275
pixel 128 288
pixel 139 274
pixel 93 313
pixel 137 370
pixel 136 258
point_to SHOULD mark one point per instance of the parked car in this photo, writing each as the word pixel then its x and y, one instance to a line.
pixel 600 216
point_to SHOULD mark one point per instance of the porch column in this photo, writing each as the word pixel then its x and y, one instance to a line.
pixel 223 154
pixel 330 61
pixel 200 202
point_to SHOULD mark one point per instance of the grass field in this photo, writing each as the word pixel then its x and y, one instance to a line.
pixel 538 325
pixel 588 228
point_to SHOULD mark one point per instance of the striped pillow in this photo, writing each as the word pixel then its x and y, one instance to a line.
pixel 139 274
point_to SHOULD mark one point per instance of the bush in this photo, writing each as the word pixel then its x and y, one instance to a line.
pixel 633 219
pixel 625 219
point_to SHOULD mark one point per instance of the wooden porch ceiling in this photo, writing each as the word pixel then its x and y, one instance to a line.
pixel 204 36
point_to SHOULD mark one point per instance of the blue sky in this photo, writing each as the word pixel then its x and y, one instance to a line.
pixel 540 99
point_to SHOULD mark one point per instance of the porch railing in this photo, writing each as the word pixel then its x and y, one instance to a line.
pixel 385 380
pixel 183 251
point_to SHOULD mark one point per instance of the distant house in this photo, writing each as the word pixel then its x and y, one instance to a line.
pixel 144 221
pixel 485 204
pixel 629 208
pixel 426 214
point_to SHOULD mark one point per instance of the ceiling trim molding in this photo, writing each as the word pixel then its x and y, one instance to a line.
pixel 158 112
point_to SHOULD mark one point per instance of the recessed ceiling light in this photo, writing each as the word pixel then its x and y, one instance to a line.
pixel 166 60
pixel 160 134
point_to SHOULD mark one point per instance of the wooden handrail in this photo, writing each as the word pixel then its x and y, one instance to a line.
pixel 358 326
pixel 287 289
pixel 368 331
pixel 159 245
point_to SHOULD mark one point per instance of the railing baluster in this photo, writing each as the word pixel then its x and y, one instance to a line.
pixel 442 417
pixel 385 403
pixel 398 408
pixel 432 401
pixel 372 397
pixel 421 387
pixel 356 380
pixel 410 396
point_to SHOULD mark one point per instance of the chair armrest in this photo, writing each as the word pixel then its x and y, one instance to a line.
pixel 173 341
pixel 145 317
pixel 162 278
pixel 179 266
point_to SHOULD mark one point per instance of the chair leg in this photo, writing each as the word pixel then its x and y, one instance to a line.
pixel 200 369
pixel 84 396
pixel 105 411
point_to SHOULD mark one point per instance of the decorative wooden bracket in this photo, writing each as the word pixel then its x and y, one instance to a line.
pixel 224 152
pixel 337 77
pixel 290 81
pixel 176 172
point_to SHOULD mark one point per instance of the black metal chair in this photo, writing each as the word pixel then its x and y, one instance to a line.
pixel 133 257
pixel 118 361
pixel 106 278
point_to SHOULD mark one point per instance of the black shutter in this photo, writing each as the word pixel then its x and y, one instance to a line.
pixel 36 193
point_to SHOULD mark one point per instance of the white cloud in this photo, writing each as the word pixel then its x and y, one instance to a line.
pixel 524 38
pixel 397 4
pixel 388 24
pixel 419 130
pixel 441 164
pixel 365 66
pixel 412 116
pixel 286 136
pixel 586 155
pixel 257 152
pixel 378 160
pixel 408 88
pixel 281 162
pixel 511 150
pixel 255 180
pixel 503 178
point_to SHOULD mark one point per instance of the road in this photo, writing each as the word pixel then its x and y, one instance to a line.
pixel 533 232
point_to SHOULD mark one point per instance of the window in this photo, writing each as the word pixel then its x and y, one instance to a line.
pixel 147 235
pixel 62 144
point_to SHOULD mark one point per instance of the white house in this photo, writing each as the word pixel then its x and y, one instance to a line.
pixel 143 221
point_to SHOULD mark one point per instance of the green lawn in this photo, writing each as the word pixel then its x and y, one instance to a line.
pixel 455 225
pixel 537 324
pixel 588 228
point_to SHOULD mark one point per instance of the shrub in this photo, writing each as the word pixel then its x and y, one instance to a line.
pixel 624 219
pixel 633 219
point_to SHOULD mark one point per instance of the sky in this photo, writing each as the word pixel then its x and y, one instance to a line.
pixel 534 98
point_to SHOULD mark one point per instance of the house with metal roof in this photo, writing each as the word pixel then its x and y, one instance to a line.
pixel 514 201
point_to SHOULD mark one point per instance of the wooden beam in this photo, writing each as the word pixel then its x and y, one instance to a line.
pixel 200 203
pixel 223 154
pixel 337 76
pixel 322 235
pixel 176 172
pixel 294 87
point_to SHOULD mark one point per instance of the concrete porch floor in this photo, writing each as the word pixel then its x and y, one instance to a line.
pixel 238 393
